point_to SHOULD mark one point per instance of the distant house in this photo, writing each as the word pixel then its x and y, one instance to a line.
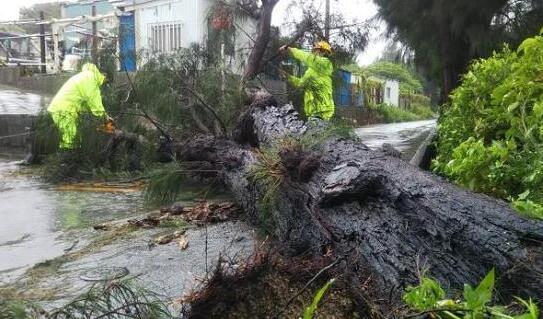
pixel 15 47
pixel 164 26
pixel 150 27
pixel 391 92
pixel 384 90
pixel 348 90
pixel 77 37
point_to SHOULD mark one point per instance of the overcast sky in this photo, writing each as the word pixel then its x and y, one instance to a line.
pixel 351 9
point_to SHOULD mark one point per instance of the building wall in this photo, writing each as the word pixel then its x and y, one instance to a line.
pixel 83 8
pixel 76 9
pixel 190 13
pixel 392 92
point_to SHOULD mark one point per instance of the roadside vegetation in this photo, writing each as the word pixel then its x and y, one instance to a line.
pixel 126 298
pixel 473 303
pixel 414 105
pixel 491 134
pixel 394 114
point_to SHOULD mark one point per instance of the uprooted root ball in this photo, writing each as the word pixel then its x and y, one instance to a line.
pixel 270 287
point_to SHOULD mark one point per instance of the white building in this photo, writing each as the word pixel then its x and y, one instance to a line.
pixel 163 26
pixel 391 92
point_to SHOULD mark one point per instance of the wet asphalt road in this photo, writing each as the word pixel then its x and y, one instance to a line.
pixel 14 101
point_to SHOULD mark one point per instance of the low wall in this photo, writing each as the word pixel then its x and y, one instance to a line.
pixel 44 83
pixel 15 132
pixel 358 115
pixel 426 152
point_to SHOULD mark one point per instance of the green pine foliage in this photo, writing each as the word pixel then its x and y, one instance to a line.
pixel 269 172
pixel 176 94
pixel 165 183
pixel 118 299
pixel 491 134
pixel 447 35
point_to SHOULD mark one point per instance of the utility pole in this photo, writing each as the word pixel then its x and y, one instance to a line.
pixel 42 43
pixel 327 21
pixel 94 51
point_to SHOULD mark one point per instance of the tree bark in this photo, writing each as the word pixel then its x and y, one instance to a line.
pixel 384 218
pixel 261 41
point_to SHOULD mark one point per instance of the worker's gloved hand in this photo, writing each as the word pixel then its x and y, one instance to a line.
pixel 284 49
pixel 109 119
pixel 110 126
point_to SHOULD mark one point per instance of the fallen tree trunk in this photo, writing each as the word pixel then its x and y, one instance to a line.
pixel 384 218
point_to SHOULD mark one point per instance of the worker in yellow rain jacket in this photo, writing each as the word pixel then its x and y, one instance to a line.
pixel 317 80
pixel 80 94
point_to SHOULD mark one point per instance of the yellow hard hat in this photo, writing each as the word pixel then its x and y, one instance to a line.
pixel 324 46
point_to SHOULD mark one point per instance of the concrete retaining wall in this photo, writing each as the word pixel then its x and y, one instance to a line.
pixel 15 132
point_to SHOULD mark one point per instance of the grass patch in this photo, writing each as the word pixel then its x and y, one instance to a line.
pixel 394 114
pixel 17 309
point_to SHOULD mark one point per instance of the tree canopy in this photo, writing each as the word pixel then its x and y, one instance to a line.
pixel 50 10
pixel 389 70
pixel 446 35
pixel 348 37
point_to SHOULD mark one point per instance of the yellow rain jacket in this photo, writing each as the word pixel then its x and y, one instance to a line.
pixel 80 94
pixel 316 83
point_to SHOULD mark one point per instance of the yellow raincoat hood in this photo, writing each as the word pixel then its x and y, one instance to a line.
pixel 89 67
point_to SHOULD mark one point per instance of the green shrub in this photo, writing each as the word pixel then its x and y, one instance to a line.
pixel 384 69
pixel 490 136
pixel 422 111
pixel 476 303
pixel 17 309
pixel 394 114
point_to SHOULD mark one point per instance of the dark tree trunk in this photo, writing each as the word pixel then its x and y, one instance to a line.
pixel 383 217
pixel 261 41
